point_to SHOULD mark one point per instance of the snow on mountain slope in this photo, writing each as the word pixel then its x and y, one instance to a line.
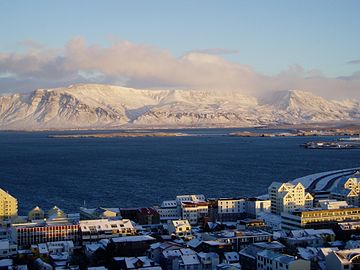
pixel 104 106
pixel 297 105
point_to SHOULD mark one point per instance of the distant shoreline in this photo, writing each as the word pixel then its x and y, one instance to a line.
pixel 118 135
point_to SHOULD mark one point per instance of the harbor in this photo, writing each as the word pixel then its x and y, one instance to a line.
pixel 342 143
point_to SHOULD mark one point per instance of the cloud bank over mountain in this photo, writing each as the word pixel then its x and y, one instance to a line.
pixel 143 66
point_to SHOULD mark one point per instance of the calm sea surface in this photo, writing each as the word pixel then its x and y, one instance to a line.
pixel 124 172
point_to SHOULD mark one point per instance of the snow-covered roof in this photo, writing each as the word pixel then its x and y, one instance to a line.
pixel 105 225
pixel 4 244
pixel 93 247
pixel 190 259
pixel 195 242
pixel 135 238
pixel 231 256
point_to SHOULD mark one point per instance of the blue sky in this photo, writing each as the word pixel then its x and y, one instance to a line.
pixel 269 37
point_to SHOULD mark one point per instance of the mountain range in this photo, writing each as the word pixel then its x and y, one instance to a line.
pixel 96 106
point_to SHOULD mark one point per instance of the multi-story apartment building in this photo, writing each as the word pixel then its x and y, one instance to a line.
pixel 286 197
pixel 230 209
pixel 191 207
pixel 95 230
pixel 8 206
pixel 348 189
pixel 194 211
pixel 169 210
pixel 318 218
pixel 27 234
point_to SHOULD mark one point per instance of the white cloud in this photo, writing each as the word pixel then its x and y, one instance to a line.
pixel 139 65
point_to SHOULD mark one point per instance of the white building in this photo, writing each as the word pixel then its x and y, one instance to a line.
pixel 268 259
pixel 230 209
pixel 169 210
pixel 190 198
pixel 255 207
pixel 94 230
pixel 183 207
pixel 332 204
pixel 286 197
pixel 57 247
pixel 194 211
pixel 348 189
pixel 180 228
pixel 343 259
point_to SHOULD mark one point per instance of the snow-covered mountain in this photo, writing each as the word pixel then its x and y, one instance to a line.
pixel 103 106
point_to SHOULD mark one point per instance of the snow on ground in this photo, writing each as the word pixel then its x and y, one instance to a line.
pixel 308 179
pixel 324 181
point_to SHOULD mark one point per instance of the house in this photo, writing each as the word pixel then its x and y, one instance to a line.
pixel 208 261
pixel 180 228
pixel 179 259
pixel 268 259
pixel 216 246
pixel 309 237
pixel 155 250
pixel 187 260
pixel 248 255
pixel 141 262
pixel 231 257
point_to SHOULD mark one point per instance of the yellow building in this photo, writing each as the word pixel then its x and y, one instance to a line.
pixel 318 217
pixel 8 206
pixel 348 189
pixel 180 228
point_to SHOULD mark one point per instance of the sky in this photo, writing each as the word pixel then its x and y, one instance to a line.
pixel 251 46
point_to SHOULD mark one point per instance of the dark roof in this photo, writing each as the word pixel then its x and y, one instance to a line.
pixel 147 211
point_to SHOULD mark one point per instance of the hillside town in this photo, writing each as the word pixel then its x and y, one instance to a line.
pixel 291 227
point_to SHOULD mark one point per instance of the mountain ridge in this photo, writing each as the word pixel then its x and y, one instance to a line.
pixel 96 106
